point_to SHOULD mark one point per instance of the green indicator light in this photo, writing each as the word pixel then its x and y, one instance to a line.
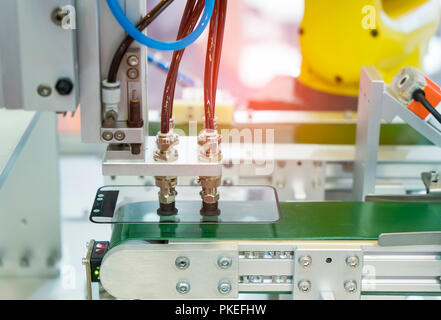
pixel 97 272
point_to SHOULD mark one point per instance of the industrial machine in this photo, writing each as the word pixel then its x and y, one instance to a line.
pixel 224 212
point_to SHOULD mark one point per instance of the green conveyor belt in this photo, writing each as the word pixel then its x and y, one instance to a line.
pixel 302 221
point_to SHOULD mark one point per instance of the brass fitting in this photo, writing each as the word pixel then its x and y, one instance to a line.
pixel 165 143
pixel 166 195
pixel 209 195
pixel 209 141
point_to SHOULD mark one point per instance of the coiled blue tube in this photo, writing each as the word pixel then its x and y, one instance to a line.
pixel 161 45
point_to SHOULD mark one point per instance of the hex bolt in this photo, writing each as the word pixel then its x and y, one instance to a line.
pixel 64 86
pixel 120 136
pixel 44 90
pixel 351 286
pixel 107 135
pixel 182 263
pixel 224 287
pixel 133 61
pixel 304 286
pixel 224 262
pixel 305 261
pixel 352 261
pixel 183 287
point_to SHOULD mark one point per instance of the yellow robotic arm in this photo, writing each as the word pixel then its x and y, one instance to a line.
pixel 338 37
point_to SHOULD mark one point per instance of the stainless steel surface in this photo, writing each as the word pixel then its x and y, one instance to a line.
pixel 370 106
pixel 187 164
pixel 99 37
pixel 409 239
pixel 148 271
pixel 328 273
pixel 30 69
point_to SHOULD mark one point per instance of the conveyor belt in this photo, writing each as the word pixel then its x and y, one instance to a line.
pixel 302 221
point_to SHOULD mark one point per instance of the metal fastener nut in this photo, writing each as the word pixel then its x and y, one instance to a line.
pixel 351 286
pixel 120 136
pixel 182 263
pixel 44 91
pixel 183 287
pixel 352 261
pixel 224 262
pixel 133 61
pixel 107 135
pixel 304 286
pixel 224 287
pixel 305 261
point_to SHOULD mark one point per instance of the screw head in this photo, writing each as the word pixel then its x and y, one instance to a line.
pixel 351 286
pixel 132 73
pixel 182 263
pixel 224 287
pixel 133 61
pixel 64 86
pixel 304 286
pixel 58 15
pixel 107 135
pixel 44 90
pixel 224 262
pixel 120 136
pixel 352 261
pixel 305 261
pixel 183 287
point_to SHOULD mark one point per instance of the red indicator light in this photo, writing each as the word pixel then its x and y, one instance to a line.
pixel 100 246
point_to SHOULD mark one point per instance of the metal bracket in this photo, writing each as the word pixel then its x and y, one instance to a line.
pixel 86 263
pixel 410 239
pixel 136 270
pixel 330 272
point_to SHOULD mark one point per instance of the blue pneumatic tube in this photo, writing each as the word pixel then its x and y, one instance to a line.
pixel 161 45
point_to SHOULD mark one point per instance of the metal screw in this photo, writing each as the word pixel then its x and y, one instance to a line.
pixel 132 73
pixel 351 286
pixel 44 90
pixel 352 261
pixel 120 136
pixel 304 286
pixel 305 261
pixel 182 263
pixel 224 287
pixel 224 262
pixel 58 15
pixel 107 135
pixel 133 61
pixel 183 287
pixel 64 86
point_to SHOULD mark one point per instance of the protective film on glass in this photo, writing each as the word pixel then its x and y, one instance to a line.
pixel 139 204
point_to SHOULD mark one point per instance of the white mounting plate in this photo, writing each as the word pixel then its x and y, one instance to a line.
pixel 187 164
